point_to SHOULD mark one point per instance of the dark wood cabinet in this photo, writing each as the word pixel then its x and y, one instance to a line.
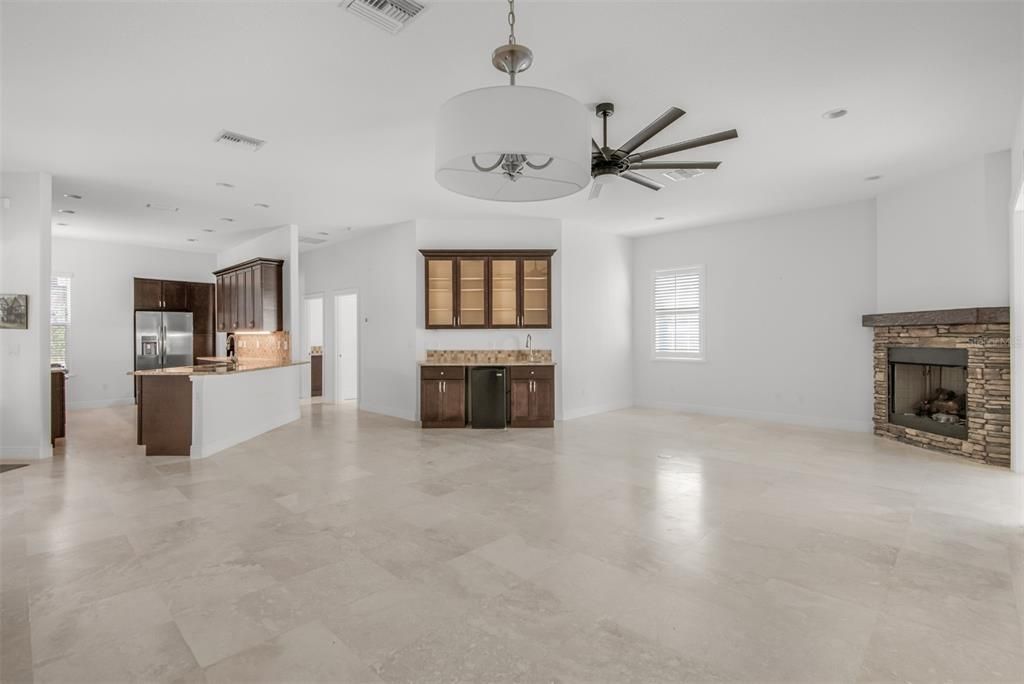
pixel 58 405
pixel 162 295
pixel 249 296
pixel 175 295
pixel 200 298
pixel 532 399
pixel 487 289
pixel 316 375
pixel 149 294
pixel 443 396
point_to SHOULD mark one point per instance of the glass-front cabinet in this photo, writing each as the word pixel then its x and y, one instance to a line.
pixel 536 293
pixel 504 293
pixel 440 288
pixel 472 300
pixel 488 289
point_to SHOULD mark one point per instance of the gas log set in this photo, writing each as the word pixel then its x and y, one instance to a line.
pixel 944 406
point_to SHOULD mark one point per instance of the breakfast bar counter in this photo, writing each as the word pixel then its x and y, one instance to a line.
pixel 199 410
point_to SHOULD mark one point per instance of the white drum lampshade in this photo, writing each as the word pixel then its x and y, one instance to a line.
pixel 486 123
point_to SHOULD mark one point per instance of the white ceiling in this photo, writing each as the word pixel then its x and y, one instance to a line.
pixel 121 102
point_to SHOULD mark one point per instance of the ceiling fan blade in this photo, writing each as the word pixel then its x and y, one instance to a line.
pixel 598 150
pixel 652 129
pixel 641 180
pixel 668 166
pixel 687 145
pixel 595 189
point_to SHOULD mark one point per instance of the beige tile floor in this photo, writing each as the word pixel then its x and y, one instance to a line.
pixel 637 546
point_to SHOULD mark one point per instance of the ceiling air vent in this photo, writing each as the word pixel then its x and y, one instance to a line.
pixel 311 241
pixel 683 174
pixel 390 15
pixel 242 142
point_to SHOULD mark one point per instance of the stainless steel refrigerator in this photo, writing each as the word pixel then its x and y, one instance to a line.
pixel 163 339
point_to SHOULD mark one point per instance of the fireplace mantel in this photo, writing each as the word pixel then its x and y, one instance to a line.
pixel 982 315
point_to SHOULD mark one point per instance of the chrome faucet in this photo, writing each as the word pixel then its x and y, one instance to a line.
pixel 529 346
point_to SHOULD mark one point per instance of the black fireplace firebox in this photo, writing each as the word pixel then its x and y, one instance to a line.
pixel 928 389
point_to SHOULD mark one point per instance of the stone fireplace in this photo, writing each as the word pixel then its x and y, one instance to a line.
pixel 942 380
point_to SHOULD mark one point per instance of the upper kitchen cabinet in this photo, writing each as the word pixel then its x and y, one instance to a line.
pixel 471 302
pixel 487 289
pixel 161 295
pixel 536 291
pixel 440 299
pixel 249 296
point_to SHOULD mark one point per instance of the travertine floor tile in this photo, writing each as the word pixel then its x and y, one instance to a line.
pixel 636 546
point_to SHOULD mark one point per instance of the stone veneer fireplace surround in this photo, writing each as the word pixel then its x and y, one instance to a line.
pixel 985 334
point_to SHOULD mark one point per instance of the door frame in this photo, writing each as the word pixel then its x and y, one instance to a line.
pixel 1017 332
pixel 307 382
pixel 335 347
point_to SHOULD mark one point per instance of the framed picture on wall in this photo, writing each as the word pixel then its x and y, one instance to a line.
pixel 14 312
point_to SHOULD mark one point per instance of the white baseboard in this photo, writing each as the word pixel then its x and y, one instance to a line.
pixel 14 453
pixel 99 403
pixel 385 411
pixel 766 416
pixel 591 410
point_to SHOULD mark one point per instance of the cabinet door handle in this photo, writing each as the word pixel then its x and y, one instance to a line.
pixel 439 387
pixel 444 386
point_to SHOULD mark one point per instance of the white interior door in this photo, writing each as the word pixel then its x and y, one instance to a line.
pixel 346 320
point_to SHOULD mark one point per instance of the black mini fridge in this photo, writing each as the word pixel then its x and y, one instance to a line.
pixel 487 398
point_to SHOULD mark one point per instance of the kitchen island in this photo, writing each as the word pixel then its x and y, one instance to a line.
pixel 199 410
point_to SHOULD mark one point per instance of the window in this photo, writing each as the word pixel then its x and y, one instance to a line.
pixel 60 318
pixel 679 313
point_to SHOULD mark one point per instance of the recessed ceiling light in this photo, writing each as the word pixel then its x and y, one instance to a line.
pixel 229 220
pixel 322 232
pixel 225 185
pixel 161 207
pixel 835 113
pixel 873 178
pixel 191 240
pixel 659 218
pixel 65 211
pixel 62 225
pixel 209 230
pixel 261 205
pixel 74 197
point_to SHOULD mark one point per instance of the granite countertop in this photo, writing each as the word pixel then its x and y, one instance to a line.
pixel 480 363
pixel 216 369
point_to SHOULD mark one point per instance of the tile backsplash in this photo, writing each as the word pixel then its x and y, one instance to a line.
pixel 270 346
pixel 487 356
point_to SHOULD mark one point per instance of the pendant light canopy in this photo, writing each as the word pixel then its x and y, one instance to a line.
pixel 513 143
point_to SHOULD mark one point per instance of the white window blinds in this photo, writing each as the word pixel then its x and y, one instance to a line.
pixel 679 313
pixel 60 318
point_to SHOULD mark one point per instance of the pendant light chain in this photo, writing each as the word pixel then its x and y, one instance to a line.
pixel 511 22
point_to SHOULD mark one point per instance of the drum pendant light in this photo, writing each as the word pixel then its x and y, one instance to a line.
pixel 513 143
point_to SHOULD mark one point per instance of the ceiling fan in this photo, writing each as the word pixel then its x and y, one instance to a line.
pixel 606 163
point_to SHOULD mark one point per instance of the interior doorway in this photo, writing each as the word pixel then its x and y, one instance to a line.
pixel 313 346
pixel 346 332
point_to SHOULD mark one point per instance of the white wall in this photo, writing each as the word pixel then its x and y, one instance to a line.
pixel 276 243
pixel 943 239
pixel 25 354
pixel 100 343
pixel 597 373
pixel 785 295
pixel 381 266
pixel 315 323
